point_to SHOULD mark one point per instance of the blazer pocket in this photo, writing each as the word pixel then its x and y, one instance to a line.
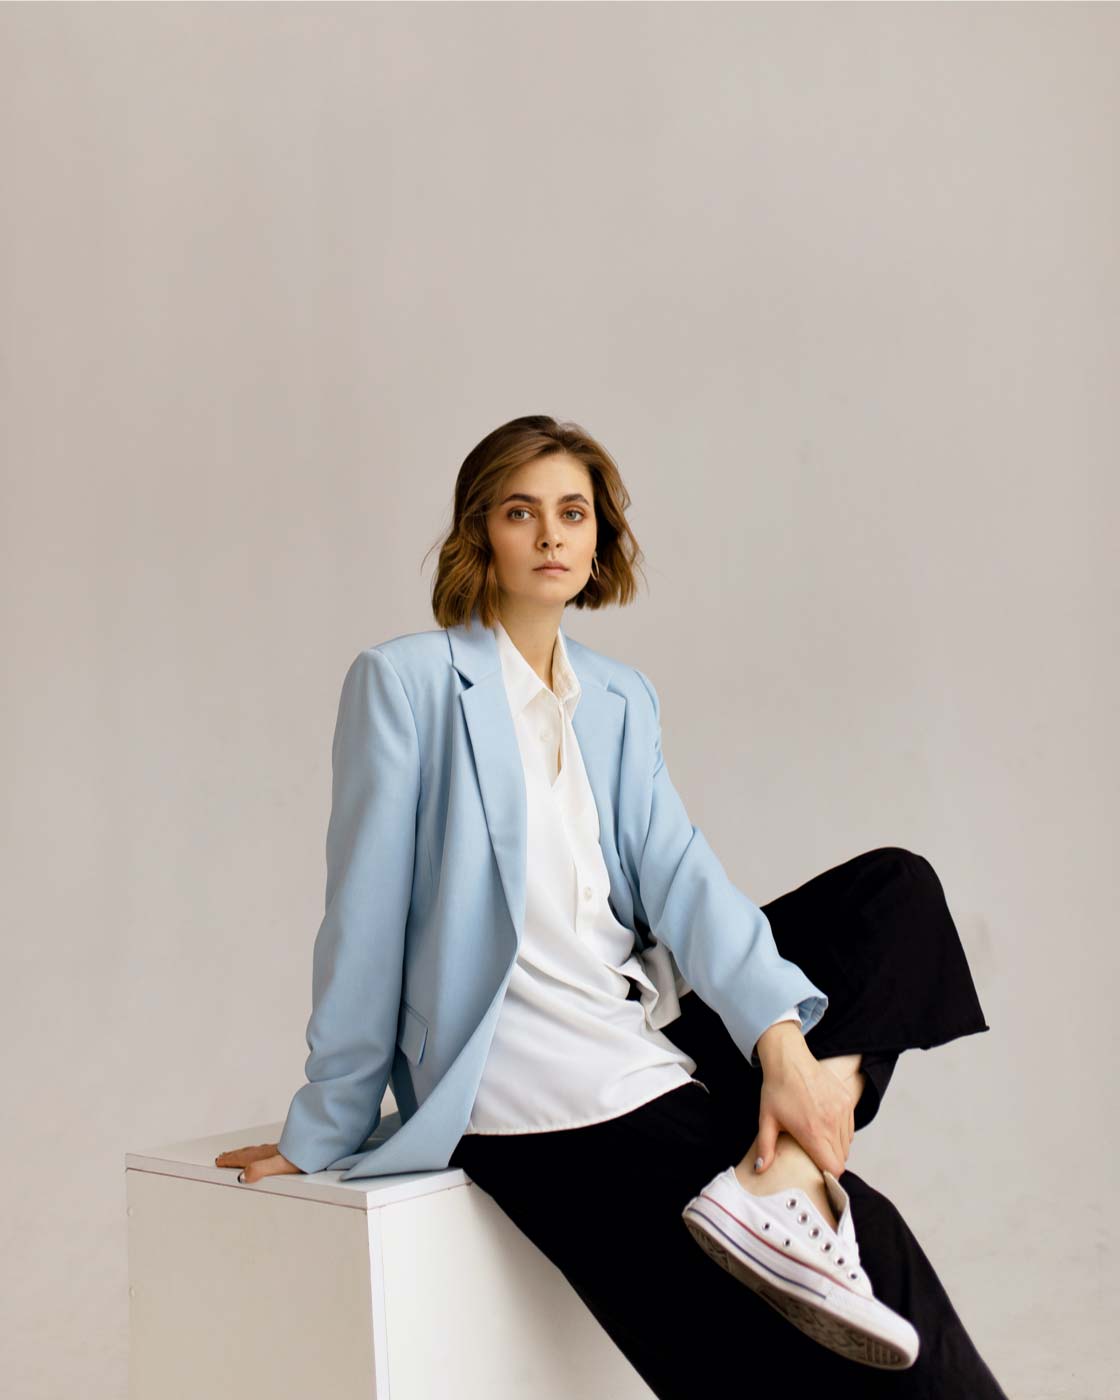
pixel 413 1034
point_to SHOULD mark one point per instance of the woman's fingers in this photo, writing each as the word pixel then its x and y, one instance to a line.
pixel 242 1156
pixel 828 1155
pixel 843 1143
pixel 847 1131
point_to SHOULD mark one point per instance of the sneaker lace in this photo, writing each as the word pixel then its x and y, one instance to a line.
pixel 844 1253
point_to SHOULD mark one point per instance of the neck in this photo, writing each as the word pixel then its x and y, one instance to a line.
pixel 534 635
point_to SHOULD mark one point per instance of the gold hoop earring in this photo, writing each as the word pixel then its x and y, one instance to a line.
pixel 595 567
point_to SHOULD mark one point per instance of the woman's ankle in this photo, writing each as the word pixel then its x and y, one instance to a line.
pixel 792 1167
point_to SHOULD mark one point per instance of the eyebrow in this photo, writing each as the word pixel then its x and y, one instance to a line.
pixel 536 500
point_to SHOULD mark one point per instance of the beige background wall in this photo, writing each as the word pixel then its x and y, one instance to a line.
pixel 836 284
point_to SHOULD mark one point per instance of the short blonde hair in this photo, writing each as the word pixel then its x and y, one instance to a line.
pixel 465 581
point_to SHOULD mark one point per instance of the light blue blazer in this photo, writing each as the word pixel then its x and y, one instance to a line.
pixel 425 893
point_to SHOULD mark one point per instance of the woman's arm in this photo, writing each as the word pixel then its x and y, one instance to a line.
pixel 358 958
pixel 720 939
pixel 724 945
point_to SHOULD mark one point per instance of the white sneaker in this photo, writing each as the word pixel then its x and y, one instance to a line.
pixel 781 1246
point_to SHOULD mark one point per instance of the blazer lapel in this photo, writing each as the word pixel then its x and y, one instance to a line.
pixel 497 758
pixel 598 723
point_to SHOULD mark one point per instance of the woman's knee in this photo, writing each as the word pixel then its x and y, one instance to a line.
pixel 911 866
pixel 902 855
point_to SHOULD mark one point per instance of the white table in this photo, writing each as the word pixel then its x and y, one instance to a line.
pixel 308 1287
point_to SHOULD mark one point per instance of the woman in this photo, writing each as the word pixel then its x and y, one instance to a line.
pixel 529 940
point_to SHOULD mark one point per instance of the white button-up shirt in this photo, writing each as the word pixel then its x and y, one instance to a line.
pixel 570 1048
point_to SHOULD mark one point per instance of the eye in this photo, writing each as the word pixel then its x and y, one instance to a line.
pixel 572 510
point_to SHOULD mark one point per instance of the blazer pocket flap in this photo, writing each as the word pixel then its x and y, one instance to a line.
pixel 413 1034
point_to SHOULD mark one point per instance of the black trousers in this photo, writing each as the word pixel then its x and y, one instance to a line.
pixel 603 1202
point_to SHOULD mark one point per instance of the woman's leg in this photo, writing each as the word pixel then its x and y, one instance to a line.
pixel 869 933
pixel 604 1203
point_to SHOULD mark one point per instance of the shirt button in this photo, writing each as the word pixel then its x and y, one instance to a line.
pixel 587 891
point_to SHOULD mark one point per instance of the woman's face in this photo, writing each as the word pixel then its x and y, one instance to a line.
pixel 545 510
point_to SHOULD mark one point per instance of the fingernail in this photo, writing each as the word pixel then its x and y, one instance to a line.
pixel 758 1164
pixel 241 1176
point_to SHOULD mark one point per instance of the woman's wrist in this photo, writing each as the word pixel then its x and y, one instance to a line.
pixel 780 1042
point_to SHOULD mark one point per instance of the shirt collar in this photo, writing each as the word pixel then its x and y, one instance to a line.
pixel 523 685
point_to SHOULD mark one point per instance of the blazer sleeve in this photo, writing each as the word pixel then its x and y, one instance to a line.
pixel 358 958
pixel 721 941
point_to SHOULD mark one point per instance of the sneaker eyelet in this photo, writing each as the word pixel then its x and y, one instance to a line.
pixel 814 1232
pixel 826 1246
pixel 839 1259
pixel 766 1224
pixel 803 1217
pixel 791 1202
pixel 853 1275
pixel 786 1241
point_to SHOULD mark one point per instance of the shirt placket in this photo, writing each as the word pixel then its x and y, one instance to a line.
pixel 566 794
pixel 545 721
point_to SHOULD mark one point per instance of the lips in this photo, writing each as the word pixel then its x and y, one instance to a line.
pixel 551 569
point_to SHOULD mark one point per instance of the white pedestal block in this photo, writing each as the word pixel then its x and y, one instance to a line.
pixel 307 1287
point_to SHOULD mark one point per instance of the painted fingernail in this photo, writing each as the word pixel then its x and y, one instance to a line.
pixel 758 1164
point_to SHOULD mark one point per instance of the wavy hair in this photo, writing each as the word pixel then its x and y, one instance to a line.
pixel 465 581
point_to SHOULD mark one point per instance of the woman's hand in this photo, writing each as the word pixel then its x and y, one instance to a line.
pixel 805 1098
pixel 260 1161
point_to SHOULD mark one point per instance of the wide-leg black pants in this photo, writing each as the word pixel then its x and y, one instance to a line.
pixel 603 1202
